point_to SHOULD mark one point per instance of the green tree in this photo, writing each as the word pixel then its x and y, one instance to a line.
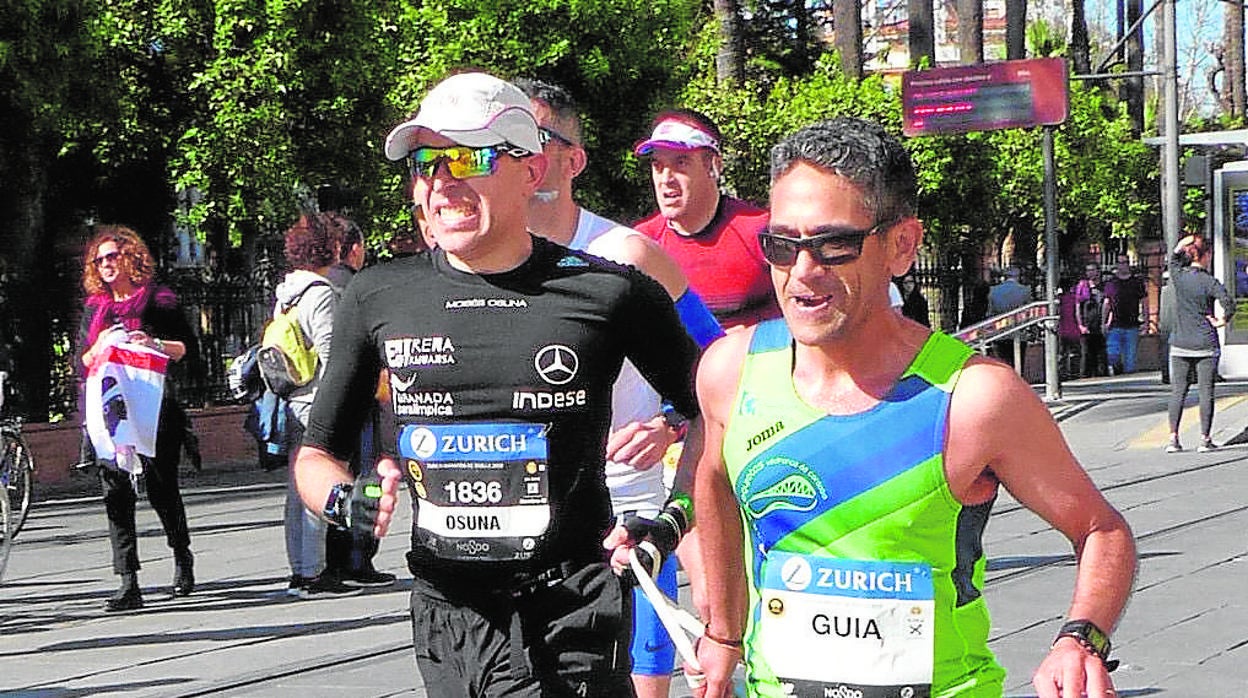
pixel 49 79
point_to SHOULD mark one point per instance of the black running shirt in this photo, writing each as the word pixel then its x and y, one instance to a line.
pixel 499 395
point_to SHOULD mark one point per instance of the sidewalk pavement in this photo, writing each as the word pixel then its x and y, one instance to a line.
pixel 1184 633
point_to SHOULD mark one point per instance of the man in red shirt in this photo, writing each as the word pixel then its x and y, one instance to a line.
pixel 714 238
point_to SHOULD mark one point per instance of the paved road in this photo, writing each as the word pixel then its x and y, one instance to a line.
pixel 1185 633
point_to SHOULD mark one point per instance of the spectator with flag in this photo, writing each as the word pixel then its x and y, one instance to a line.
pixel 129 326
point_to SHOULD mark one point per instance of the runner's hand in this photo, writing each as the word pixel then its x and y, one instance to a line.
pixel 1070 671
pixel 619 543
pixel 718 662
pixel 641 444
pixel 374 498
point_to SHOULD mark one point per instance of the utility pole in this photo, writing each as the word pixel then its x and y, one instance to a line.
pixel 1171 213
pixel 1052 380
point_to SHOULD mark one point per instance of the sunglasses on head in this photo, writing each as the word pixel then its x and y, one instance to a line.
pixel 111 257
pixel 462 162
pixel 832 247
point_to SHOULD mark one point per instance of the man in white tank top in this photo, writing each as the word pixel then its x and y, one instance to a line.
pixel 640 432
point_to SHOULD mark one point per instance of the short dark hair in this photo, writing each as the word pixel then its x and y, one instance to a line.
pixel 860 151
pixel 560 101
pixel 350 236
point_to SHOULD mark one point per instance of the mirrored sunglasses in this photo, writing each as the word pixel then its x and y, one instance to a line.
pixel 461 161
pixel 830 248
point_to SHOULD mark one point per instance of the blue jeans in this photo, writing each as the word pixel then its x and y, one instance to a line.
pixel 305 531
pixel 1121 346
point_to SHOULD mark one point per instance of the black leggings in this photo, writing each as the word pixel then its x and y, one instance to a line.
pixel 1179 367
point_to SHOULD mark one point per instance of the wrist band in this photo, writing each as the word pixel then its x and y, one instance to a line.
pixel 684 503
pixel 721 641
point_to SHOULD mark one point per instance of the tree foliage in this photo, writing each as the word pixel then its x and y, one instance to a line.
pixel 113 108
pixel 973 188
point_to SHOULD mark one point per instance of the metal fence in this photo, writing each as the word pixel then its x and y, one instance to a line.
pixel 949 287
pixel 227 313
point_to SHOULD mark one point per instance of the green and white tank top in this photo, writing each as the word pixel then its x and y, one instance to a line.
pixel 865 573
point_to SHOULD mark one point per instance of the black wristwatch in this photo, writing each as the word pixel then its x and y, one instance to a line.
pixel 336 509
pixel 1091 638
pixel 674 420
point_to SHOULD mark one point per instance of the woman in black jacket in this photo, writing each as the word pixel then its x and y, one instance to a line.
pixel 121 296
pixel 913 304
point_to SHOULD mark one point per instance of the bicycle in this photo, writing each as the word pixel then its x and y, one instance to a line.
pixel 17 469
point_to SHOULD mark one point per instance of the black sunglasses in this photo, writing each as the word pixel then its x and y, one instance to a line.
pixel 546 135
pixel 110 257
pixel 830 248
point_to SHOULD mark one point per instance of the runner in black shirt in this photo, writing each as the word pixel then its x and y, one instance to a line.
pixel 501 350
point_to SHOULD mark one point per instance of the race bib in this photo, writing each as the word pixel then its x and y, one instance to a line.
pixel 481 488
pixel 847 628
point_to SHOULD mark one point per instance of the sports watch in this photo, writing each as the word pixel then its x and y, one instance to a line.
pixel 675 421
pixel 336 509
pixel 1091 638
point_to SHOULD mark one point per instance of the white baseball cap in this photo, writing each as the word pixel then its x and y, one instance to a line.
pixel 472 109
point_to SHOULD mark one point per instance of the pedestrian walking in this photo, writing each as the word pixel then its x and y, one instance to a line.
pixel 1089 313
pixel 913 304
pixel 1126 307
pixel 311 246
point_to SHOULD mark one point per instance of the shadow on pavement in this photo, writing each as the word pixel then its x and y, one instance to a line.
pixel 232 634
pixel 59 692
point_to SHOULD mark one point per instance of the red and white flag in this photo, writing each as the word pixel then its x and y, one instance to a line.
pixel 125 386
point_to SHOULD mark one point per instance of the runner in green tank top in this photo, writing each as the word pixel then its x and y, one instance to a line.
pixel 851 460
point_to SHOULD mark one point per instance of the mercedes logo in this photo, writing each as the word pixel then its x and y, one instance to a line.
pixel 556 364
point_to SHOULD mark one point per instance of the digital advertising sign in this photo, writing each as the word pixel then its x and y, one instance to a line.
pixel 985 96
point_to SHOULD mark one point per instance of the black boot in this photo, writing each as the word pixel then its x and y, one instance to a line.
pixel 128 597
pixel 183 572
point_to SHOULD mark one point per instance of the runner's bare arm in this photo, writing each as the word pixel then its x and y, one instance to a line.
pixel 317 471
pixel 641 444
pixel 645 254
pixel 1001 432
pixel 718 516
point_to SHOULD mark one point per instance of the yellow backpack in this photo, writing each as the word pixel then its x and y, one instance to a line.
pixel 286 359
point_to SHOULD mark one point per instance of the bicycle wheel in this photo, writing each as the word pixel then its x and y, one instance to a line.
pixel 19 467
pixel 7 541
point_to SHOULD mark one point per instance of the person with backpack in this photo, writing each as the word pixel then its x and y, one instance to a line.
pixel 1089 298
pixel 299 337
pixel 349 557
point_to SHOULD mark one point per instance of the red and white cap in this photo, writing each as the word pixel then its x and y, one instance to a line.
pixel 676 134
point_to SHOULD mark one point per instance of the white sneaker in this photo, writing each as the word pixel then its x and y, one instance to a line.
pixel 1206 446
pixel 1174 447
